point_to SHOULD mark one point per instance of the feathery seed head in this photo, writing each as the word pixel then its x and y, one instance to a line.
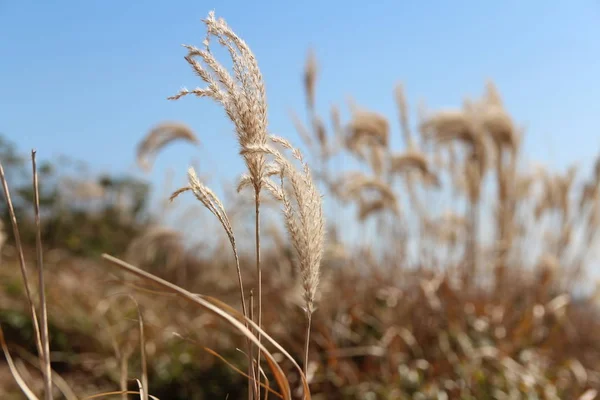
pixel 369 128
pixel 310 79
pixel 303 213
pixel 242 95
pixel 302 210
pixel 403 112
pixel 409 160
pixel 158 138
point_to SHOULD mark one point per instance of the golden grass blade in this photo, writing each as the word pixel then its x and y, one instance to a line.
pixel 239 371
pixel 57 380
pixel 262 373
pixel 235 312
pixel 17 236
pixel 142 392
pixel 47 371
pixel 589 394
pixel 198 300
pixel 251 368
pixel 144 383
pixel 13 370
pixel 117 392
pixel 124 373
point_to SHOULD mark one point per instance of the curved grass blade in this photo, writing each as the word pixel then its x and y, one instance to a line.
pixel 198 300
pixel 13 370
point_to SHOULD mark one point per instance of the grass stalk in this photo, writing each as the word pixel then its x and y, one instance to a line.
pixel 307 342
pixel 252 384
pixel 47 370
pixel 23 267
pixel 259 281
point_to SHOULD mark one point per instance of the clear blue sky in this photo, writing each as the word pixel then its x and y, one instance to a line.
pixel 89 78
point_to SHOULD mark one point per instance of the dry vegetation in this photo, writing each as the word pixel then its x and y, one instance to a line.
pixel 463 285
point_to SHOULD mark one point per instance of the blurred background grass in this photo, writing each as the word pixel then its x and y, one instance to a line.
pixel 402 314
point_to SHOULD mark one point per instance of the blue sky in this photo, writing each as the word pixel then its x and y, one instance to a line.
pixel 89 78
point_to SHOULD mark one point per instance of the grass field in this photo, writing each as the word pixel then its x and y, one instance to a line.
pixel 338 268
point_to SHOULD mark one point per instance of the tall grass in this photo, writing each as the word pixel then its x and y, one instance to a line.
pixel 243 98
pixel 426 304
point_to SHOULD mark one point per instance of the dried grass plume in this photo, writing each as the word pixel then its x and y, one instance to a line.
pixel 160 136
